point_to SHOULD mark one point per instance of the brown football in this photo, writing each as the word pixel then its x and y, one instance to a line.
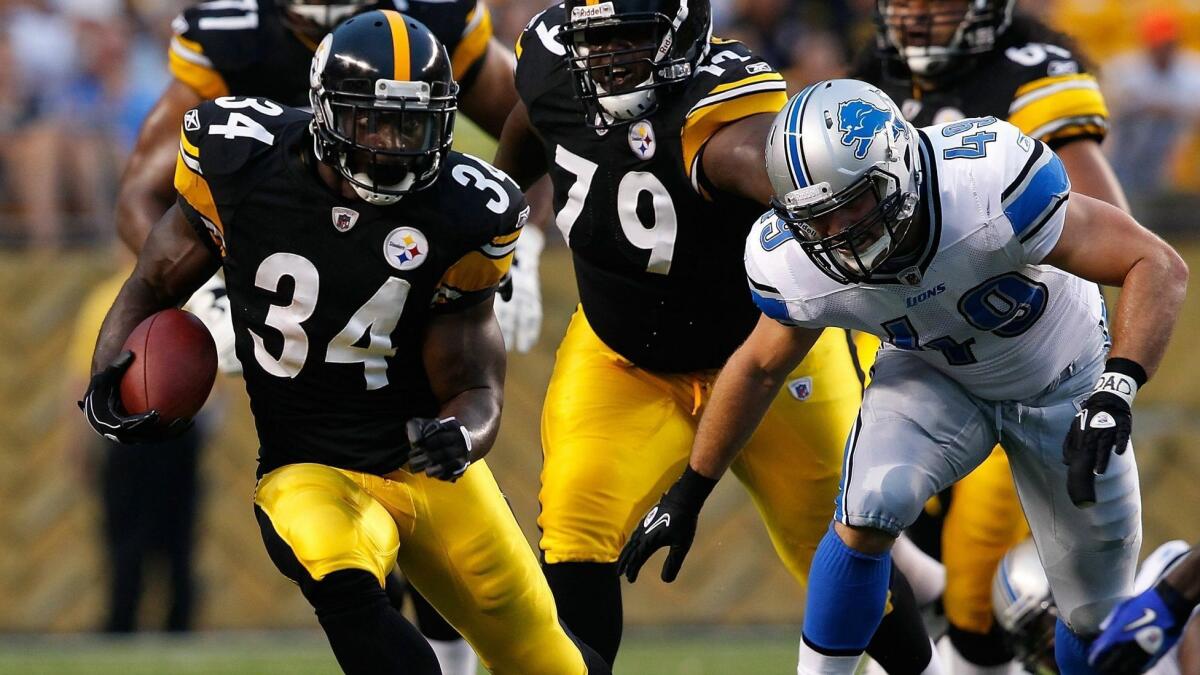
pixel 174 366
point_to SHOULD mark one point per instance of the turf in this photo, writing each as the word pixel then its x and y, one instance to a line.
pixel 706 652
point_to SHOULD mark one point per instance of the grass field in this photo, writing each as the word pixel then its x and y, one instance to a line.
pixel 705 652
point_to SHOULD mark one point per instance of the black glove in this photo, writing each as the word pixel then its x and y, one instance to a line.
pixel 102 406
pixel 440 448
pixel 672 522
pixel 1101 427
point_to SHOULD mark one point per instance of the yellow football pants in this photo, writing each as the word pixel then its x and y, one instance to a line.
pixel 616 436
pixel 457 543
pixel 983 522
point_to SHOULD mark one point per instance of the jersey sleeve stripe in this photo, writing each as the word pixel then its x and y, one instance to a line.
pixel 1093 125
pixel 1045 114
pixel 1039 196
pixel 202 79
pixel 192 187
pixel 1034 158
pixel 1048 81
pixel 401 67
pixel 1046 217
pixel 698 128
pixel 474 42
pixel 190 51
pixel 1049 86
pixel 186 146
pixel 730 94
pixel 188 161
pixel 476 272
pixel 764 77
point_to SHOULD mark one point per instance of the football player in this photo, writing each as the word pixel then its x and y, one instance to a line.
pixel 652 133
pixel 943 60
pixel 361 255
pixel 962 246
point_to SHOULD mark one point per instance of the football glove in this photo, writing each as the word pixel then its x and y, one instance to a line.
pixel 440 448
pixel 519 300
pixel 1139 631
pixel 210 304
pixel 106 414
pixel 1102 426
pixel 672 522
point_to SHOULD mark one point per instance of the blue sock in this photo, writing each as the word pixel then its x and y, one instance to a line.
pixel 1070 651
pixel 847 592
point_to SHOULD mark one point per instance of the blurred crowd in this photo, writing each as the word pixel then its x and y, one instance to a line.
pixel 78 76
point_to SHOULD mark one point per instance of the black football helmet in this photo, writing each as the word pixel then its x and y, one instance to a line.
pixel 936 38
pixel 622 53
pixel 384 99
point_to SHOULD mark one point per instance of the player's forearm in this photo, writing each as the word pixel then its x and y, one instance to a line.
pixel 1185 578
pixel 138 210
pixel 1150 302
pixel 740 399
pixel 479 411
pixel 136 301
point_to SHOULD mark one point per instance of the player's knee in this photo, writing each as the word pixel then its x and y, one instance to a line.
pixel 343 591
pixel 864 539
pixel 894 499
pixel 569 537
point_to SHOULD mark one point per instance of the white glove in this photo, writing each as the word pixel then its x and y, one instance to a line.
pixel 519 307
pixel 210 304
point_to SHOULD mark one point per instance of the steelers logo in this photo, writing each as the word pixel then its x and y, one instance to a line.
pixel 641 139
pixel 405 248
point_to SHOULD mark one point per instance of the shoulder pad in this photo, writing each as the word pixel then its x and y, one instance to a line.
pixel 224 134
pixel 225 33
pixel 539 54
pixel 477 192
pixel 1055 98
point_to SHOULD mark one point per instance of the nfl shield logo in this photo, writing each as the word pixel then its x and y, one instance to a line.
pixel 344 218
pixel 801 389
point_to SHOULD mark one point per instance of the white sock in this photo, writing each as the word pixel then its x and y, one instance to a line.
pixel 959 665
pixel 926 575
pixel 455 657
pixel 936 665
pixel 813 662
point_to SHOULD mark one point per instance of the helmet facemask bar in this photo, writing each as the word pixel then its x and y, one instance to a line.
pixel 389 143
pixel 942 38
pixel 1032 639
pixel 855 253
pixel 617 66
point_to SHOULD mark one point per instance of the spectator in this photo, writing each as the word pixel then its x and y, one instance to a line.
pixel 1154 93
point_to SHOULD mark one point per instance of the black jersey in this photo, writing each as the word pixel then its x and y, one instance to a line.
pixel 1032 78
pixel 243 48
pixel 658 255
pixel 330 296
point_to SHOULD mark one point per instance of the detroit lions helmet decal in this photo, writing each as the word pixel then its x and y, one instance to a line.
pixel 860 122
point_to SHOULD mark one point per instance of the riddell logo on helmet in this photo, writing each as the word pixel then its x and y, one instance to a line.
pixel 600 11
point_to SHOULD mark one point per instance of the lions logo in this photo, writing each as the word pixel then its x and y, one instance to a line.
pixel 860 122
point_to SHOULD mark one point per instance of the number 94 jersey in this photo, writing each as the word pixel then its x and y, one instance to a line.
pixel 656 251
pixel 978 305
pixel 331 296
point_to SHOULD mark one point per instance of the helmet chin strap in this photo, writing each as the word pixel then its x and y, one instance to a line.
pixel 627 106
pixel 869 258
pixel 926 60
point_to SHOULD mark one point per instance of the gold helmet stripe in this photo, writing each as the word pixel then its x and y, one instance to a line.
pixel 400 58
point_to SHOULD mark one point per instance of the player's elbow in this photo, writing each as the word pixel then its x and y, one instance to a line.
pixel 1172 267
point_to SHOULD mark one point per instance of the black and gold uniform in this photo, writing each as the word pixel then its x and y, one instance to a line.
pixel 244 48
pixel 664 302
pixel 1034 79
pixel 330 300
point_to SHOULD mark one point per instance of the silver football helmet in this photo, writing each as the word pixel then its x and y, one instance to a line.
pixel 1025 609
pixel 843 144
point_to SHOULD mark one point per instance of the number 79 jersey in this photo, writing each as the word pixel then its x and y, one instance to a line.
pixel 331 296
pixel 982 308
pixel 656 249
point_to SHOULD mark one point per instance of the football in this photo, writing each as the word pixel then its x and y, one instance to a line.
pixel 174 366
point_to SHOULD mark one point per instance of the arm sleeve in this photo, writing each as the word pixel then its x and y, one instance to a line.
pixel 766 296
pixel 195 195
pixel 1034 200
pixel 473 278
pixel 188 62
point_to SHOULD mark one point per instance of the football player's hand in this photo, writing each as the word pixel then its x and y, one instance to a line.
pixel 210 304
pixel 1136 634
pixel 440 448
pixel 1102 427
pixel 106 414
pixel 670 523
pixel 519 301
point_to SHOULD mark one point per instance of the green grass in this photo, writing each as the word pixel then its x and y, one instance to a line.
pixel 706 652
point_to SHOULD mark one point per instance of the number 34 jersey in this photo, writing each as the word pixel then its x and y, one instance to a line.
pixel 982 309
pixel 656 252
pixel 331 296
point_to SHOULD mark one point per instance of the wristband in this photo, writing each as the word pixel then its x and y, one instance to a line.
pixel 1121 378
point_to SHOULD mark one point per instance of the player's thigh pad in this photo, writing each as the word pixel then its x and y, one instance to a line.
pixel 917 433
pixel 327 521
pixel 792 463
pixel 614 437
pixel 470 560
pixel 1090 554
pixel 985 520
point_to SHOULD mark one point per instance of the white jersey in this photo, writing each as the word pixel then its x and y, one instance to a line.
pixel 1155 567
pixel 982 309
